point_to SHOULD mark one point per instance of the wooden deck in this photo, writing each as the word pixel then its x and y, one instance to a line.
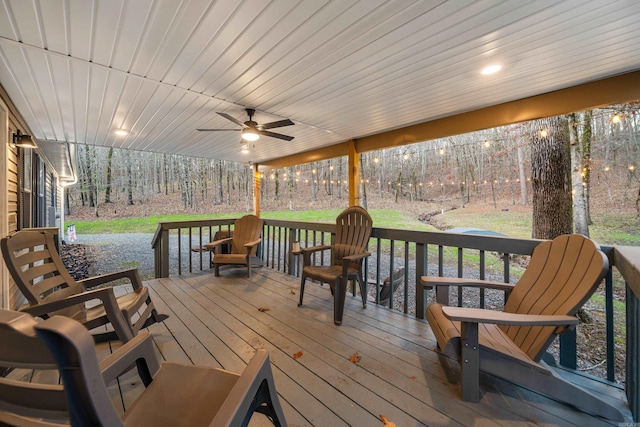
pixel 218 322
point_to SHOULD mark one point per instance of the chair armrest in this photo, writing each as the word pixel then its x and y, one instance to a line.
pixel 347 260
pixel 429 282
pixel 131 274
pixel 106 295
pixel 253 243
pixel 139 351
pixel 215 243
pixel 479 315
pixel 356 257
pixel 254 384
pixel 41 310
pixel 312 249
pixel 306 253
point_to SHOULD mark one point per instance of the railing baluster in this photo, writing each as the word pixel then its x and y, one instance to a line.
pixel 406 278
pixel 392 257
pixel 460 272
pixel 611 357
pixel 482 276
pixel 378 259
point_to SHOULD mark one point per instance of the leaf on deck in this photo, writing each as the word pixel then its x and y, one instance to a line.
pixel 414 378
pixel 386 421
pixel 292 292
pixel 355 358
pixel 263 309
pixel 298 355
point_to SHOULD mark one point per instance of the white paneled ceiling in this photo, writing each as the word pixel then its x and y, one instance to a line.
pixel 77 70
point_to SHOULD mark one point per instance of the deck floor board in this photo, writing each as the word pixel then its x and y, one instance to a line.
pixel 217 321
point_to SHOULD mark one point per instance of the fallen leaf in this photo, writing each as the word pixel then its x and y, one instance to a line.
pixel 263 309
pixel 414 378
pixel 386 421
pixel 355 358
pixel 292 292
pixel 298 355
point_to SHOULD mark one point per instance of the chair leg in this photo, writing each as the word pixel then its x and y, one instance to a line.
pixel 470 362
pixel 302 281
pixel 363 291
pixel 216 270
pixel 339 296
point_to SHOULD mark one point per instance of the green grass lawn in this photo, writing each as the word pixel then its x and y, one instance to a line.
pixel 607 229
pixel 622 229
pixel 381 218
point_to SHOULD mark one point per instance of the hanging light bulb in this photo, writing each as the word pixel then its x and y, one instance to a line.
pixel 250 134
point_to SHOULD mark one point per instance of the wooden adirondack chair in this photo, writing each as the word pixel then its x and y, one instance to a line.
pixel 175 394
pixel 353 229
pixel 39 273
pixel 561 276
pixel 244 244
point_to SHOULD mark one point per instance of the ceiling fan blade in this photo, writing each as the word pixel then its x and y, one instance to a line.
pixel 233 119
pixel 275 135
pixel 278 124
pixel 219 130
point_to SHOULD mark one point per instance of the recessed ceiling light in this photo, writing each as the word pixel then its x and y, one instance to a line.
pixel 121 132
pixel 491 69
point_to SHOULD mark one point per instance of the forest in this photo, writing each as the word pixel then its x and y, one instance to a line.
pixel 594 155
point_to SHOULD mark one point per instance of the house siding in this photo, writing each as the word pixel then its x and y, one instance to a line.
pixel 24 208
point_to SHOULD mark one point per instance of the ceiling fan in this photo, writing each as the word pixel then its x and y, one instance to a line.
pixel 251 130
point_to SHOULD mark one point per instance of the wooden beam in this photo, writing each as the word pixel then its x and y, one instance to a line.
pixel 613 90
pixel 354 174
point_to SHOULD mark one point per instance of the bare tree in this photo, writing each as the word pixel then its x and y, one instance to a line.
pixel 578 175
pixel 551 178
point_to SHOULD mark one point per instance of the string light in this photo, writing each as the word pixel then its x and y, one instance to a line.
pixel 615 119
pixel 543 133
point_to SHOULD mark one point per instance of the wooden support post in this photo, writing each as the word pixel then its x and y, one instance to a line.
pixel 354 174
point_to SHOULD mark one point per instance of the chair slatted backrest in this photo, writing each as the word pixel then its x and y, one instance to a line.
pixel 246 229
pixel 561 276
pixel 353 229
pixel 21 349
pixel 36 267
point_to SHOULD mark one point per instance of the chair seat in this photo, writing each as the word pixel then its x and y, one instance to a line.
pixel 184 403
pixel 327 273
pixel 230 259
pixel 490 337
pixel 129 302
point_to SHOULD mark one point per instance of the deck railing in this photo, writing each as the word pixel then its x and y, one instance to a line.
pixel 419 253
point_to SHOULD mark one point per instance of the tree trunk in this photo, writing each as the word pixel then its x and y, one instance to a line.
pixel 107 190
pixel 524 196
pixel 551 178
pixel 129 181
pixel 585 143
pixel 578 170
pixel 89 176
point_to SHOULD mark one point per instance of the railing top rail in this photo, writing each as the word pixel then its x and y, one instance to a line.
pixel 173 225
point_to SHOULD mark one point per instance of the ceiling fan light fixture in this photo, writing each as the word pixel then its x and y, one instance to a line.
pixel 250 135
